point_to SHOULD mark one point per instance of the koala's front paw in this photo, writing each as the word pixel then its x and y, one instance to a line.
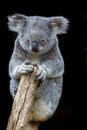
pixel 22 69
pixel 41 73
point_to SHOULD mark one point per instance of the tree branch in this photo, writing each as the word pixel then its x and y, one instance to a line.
pixel 23 101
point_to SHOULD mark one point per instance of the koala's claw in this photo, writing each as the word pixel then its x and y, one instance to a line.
pixel 41 74
pixel 22 69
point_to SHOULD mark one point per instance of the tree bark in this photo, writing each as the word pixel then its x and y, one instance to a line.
pixel 23 101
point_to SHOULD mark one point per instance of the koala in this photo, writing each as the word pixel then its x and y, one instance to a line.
pixel 37 45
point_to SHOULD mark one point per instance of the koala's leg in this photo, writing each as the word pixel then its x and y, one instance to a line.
pixel 41 111
pixel 13 86
pixel 47 99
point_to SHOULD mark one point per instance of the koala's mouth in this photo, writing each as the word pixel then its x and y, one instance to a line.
pixel 35 50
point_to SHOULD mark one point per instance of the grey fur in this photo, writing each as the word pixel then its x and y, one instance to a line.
pixel 37 44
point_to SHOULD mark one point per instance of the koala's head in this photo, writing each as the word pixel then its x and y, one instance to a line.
pixel 37 35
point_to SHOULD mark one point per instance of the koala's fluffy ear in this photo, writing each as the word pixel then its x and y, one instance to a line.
pixel 16 22
pixel 59 24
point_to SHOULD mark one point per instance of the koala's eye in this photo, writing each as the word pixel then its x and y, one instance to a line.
pixel 43 40
pixel 27 40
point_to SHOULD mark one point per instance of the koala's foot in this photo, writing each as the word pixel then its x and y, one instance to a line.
pixel 13 86
pixel 41 73
pixel 22 69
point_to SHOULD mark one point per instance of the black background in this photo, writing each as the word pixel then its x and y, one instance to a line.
pixel 71 113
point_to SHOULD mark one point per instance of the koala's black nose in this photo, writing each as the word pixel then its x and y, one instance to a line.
pixel 34 46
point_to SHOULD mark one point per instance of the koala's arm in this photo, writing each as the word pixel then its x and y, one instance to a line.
pixel 18 65
pixel 54 64
pixel 14 62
